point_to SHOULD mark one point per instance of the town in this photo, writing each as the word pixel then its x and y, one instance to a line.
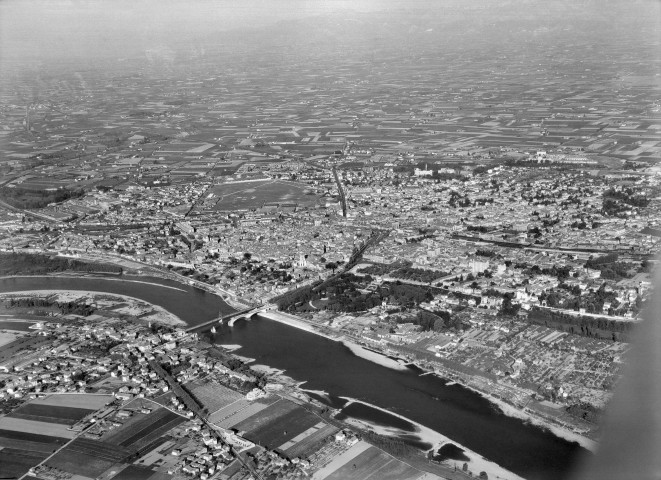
pixel 493 224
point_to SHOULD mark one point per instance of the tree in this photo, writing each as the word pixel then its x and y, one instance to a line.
pixel 247 256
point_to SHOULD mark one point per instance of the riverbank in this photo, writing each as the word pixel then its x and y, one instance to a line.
pixel 388 362
pixel 558 431
pixel 476 463
pixel 266 342
pixel 146 269
pixel 104 277
pixel 133 306
pixel 511 411
pixel 355 348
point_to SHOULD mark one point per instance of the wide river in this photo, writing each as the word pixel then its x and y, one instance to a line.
pixel 329 366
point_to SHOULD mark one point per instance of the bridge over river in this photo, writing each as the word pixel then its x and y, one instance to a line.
pixel 230 318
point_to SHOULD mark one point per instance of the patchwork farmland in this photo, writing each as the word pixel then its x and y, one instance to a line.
pixel 51 417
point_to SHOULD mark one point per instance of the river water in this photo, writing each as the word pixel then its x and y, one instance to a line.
pixel 329 366
pixel 188 303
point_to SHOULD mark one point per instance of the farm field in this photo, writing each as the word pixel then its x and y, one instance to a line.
pixel 277 409
pixel 250 195
pixel 274 430
pixel 16 462
pixel 213 395
pixel 79 463
pixel 50 413
pixel 302 447
pixel 30 426
pixel 337 461
pixel 31 446
pixel 9 436
pixel 238 415
pixel 99 449
pixel 135 472
pixel 145 429
pixel 85 401
pixel 88 457
pixel 374 464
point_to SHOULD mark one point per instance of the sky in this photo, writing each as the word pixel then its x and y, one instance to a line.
pixel 52 30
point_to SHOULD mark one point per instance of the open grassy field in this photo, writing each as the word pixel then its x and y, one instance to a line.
pixel 30 426
pixel 75 400
pixel 250 195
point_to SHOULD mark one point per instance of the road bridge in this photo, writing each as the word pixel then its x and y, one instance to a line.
pixel 230 318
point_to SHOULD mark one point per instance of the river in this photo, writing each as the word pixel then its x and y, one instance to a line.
pixel 186 302
pixel 329 366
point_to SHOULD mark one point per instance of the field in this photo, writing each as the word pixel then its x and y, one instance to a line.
pixel 278 425
pixel 306 443
pixel 251 195
pixel 134 472
pixel 9 436
pixel 79 463
pixel 212 395
pixel 29 441
pixel 89 402
pixel 6 338
pixel 51 413
pixel 374 464
pixel 14 462
pixel 363 461
pixel 279 408
pixel 31 426
pixel 36 194
pixel 10 349
pixel 88 457
pixel 144 430
pixel 235 412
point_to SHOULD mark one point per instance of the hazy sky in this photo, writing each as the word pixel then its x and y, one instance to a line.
pixel 84 29
pixel 79 26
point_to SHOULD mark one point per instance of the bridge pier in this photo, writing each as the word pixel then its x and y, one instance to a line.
pixel 233 320
pixel 246 314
